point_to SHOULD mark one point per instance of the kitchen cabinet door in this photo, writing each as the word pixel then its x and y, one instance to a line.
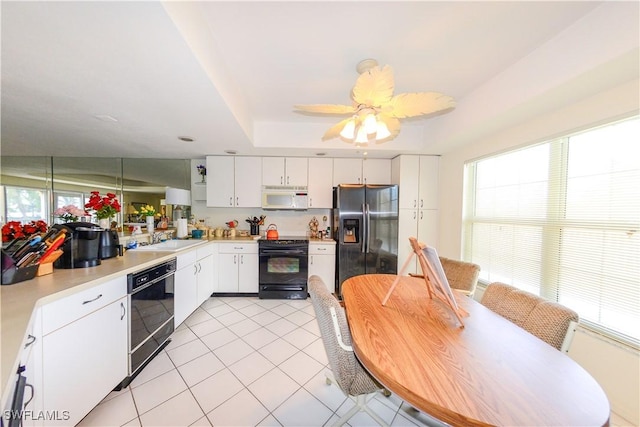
pixel 248 186
pixel 248 273
pixel 228 272
pixel 428 227
pixel 205 279
pixel 376 171
pixel 428 186
pixel 320 186
pixel 185 299
pixel 84 361
pixel 296 169
pixel 405 171
pixel 273 172
pixel 407 227
pixel 220 182
pixel 347 171
pixel 322 262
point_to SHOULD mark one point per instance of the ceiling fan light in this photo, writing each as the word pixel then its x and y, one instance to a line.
pixel 349 130
pixel 382 131
pixel 361 138
pixel 370 124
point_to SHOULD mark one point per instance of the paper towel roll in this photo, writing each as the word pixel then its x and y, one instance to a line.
pixel 182 228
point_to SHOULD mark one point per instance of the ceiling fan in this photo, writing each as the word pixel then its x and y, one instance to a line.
pixel 375 112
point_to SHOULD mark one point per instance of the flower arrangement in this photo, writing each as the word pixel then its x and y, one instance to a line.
pixel 105 206
pixel 15 230
pixel 147 210
pixel 69 213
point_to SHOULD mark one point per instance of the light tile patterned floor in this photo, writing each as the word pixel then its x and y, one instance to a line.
pixel 241 362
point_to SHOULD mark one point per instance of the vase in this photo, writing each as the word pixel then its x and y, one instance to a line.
pixel 150 224
pixel 105 223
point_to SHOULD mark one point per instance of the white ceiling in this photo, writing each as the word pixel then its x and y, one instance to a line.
pixel 228 73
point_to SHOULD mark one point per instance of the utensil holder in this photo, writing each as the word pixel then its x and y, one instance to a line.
pixel 12 274
pixel 255 229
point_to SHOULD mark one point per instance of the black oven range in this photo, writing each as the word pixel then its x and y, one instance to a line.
pixel 283 268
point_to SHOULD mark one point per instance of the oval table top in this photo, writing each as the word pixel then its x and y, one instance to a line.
pixel 491 372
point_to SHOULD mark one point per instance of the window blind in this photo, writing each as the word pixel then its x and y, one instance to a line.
pixel 561 219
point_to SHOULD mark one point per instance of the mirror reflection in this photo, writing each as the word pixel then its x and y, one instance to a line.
pixel 35 188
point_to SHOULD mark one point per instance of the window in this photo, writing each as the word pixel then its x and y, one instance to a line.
pixel 562 219
pixel 25 204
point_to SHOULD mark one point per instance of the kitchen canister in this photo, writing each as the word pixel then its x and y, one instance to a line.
pixel 181 231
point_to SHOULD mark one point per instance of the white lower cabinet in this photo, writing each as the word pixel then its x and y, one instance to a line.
pixel 195 280
pixel 322 262
pixel 238 268
pixel 83 360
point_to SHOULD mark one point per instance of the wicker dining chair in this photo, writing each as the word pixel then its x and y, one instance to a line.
pixel 461 275
pixel 349 375
pixel 547 320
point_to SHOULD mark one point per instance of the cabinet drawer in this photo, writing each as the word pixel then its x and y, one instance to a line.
pixel 62 312
pixel 235 248
pixel 322 249
pixel 186 258
pixel 206 250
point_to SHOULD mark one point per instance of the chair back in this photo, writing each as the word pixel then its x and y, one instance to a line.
pixel 460 274
pixel 547 320
pixel 349 374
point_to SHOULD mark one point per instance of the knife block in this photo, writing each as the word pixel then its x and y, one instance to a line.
pixel 12 274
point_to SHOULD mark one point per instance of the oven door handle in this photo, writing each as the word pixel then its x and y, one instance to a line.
pixel 153 282
pixel 283 252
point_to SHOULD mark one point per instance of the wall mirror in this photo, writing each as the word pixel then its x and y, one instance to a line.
pixel 33 187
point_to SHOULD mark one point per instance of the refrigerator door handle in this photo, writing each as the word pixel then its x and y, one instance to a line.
pixel 364 229
pixel 368 226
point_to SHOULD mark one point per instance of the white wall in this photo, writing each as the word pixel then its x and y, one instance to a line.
pixel 616 370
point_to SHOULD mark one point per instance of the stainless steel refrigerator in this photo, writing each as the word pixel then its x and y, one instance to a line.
pixel 365 227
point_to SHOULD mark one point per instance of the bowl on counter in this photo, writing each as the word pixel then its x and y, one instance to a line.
pixel 197 234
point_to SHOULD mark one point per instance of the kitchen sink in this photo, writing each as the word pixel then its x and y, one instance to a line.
pixel 170 245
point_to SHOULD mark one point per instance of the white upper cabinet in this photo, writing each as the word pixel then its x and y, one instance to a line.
pixel 376 171
pixel 234 181
pixel 284 171
pixel 320 183
pixel 359 171
pixel 347 171
pixel 418 180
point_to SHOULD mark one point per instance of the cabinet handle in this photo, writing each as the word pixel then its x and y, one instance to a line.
pixel 421 213
pixel 230 201
pixel 30 340
pixel 237 201
pixel 310 202
pixel 199 268
pixel 311 260
pixel 421 203
pixel 287 180
pixel 92 300
pixel 30 387
pixel 124 310
pixel 415 203
pixel 322 249
pixel 241 259
pixel 235 259
pixel 414 215
pixel 281 180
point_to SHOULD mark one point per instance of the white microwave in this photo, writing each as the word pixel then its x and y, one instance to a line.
pixel 284 197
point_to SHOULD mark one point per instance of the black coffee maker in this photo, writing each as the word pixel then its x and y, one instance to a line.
pixel 83 248
pixel 109 244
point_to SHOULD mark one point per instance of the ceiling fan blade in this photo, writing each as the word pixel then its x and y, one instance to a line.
pixel 374 87
pixel 416 104
pixel 335 130
pixel 326 108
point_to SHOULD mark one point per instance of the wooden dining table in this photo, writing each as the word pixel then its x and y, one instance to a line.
pixel 489 372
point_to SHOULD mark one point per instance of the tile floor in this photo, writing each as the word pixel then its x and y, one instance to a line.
pixel 241 362
pixel 244 362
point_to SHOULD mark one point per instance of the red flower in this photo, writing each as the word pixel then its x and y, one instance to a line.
pixel 104 207
pixel 15 230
